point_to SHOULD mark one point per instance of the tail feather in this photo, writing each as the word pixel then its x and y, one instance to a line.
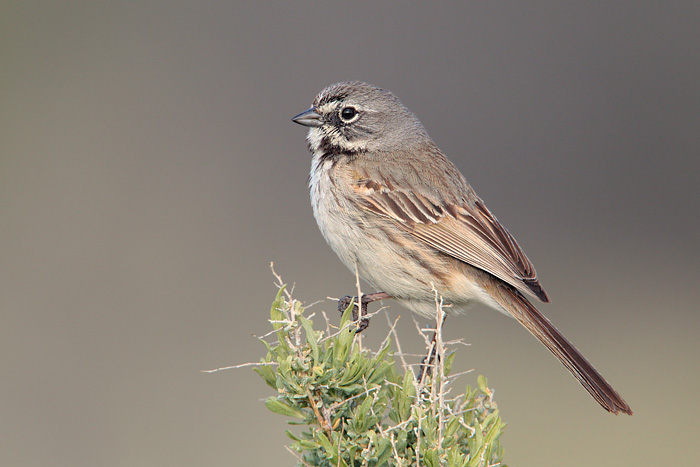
pixel 521 309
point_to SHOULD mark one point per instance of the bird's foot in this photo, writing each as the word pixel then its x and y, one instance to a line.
pixel 361 318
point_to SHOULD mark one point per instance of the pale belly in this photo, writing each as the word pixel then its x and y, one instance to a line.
pixel 385 257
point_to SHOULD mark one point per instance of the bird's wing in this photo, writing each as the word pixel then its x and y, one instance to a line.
pixel 463 229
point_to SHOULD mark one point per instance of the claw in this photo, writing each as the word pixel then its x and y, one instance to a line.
pixel 345 302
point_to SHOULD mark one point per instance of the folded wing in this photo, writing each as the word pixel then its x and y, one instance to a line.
pixel 464 229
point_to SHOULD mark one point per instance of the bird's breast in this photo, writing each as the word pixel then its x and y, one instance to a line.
pixel 333 209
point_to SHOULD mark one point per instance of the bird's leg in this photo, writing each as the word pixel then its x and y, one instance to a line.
pixel 344 303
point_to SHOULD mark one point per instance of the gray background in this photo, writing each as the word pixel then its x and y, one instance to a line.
pixel 149 173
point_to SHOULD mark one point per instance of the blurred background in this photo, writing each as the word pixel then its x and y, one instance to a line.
pixel 149 174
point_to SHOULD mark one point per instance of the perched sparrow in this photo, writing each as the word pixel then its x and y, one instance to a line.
pixel 398 212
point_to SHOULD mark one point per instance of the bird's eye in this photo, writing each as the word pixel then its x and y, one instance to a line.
pixel 348 113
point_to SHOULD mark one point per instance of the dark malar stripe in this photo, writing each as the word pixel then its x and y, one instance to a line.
pixel 330 151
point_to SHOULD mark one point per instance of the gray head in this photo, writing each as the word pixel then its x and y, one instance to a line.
pixel 353 117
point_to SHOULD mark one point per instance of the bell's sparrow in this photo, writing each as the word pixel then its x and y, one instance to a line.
pixel 398 212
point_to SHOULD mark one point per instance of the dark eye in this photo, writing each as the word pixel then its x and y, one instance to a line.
pixel 348 113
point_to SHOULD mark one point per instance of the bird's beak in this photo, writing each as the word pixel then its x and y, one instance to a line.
pixel 309 118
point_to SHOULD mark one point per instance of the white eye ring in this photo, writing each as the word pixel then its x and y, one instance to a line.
pixel 348 114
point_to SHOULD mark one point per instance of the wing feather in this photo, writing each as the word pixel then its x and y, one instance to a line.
pixel 464 230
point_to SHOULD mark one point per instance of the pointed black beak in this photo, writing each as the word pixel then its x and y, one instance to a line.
pixel 309 118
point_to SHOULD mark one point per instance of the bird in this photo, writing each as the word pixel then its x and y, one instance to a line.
pixel 400 214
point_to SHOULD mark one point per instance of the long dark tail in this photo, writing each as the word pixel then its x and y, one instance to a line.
pixel 521 309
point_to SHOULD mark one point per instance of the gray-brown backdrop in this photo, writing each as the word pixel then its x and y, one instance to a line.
pixel 149 173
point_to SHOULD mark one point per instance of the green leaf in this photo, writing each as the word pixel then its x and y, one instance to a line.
pixel 384 351
pixel 383 451
pixel 277 406
pixel 431 458
pixel 406 396
pixel 481 382
pixel 311 338
pixel 448 362
pixel 267 373
pixel 452 426
pixel 307 444
pixel 346 318
pixel 341 347
pixel 476 446
pixel 325 443
pixel 276 313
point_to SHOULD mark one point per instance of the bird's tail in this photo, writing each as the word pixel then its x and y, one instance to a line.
pixel 521 309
